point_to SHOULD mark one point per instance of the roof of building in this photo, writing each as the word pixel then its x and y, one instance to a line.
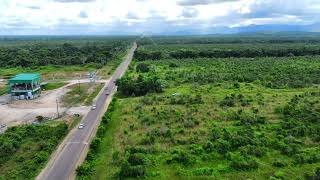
pixel 25 77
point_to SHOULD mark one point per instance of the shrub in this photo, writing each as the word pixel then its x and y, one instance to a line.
pixel 307 156
pixel 279 163
pixel 173 65
pixel 251 150
pixel 205 171
pixel 95 144
pixel 142 67
pixel 115 156
pixel 148 140
pixel 209 147
pixel 316 175
pixel 215 134
pixel 40 118
pixel 179 156
pixel 41 157
pixel 196 149
pixel 84 170
pixel 140 86
pixel 127 170
pixel 136 159
pixel 101 131
pixel 278 175
pixel 289 149
pixel 228 101
pixel 240 162
pixel 222 146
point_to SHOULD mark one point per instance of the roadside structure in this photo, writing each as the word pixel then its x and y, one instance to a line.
pixel 25 86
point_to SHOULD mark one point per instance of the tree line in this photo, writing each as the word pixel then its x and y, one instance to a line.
pixel 143 54
pixel 60 54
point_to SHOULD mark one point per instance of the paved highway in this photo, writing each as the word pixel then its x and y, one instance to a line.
pixel 70 153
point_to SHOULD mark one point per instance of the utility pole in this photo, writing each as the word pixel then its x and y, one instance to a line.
pixel 57 108
pixel 79 85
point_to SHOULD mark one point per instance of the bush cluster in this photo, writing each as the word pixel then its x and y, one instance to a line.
pixel 140 86
pixel 29 146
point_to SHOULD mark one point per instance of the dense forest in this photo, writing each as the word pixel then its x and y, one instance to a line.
pixel 34 52
pixel 152 52
pixel 242 38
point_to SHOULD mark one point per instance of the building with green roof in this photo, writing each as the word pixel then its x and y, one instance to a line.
pixel 25 86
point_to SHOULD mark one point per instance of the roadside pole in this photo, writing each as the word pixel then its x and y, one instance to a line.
pixel 57 102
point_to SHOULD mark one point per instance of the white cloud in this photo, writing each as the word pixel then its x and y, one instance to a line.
pixel 137 16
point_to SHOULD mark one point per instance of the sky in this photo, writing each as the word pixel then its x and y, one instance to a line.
pixel 136 17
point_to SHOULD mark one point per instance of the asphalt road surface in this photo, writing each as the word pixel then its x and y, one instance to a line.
pixel 63 164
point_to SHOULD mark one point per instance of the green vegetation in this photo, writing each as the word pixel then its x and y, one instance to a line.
pixel 24 150
pixel 3 90
pixel 292 72
pixel 52 86
pixel 93 94
pixel 226 51
pixel 139 86
pixel 214 118
pixel 81 94
pixel 42 53
pixel 74 122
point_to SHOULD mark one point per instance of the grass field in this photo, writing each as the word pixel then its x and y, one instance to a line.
pixel 82 94
pixel 52 86
pixel 216 119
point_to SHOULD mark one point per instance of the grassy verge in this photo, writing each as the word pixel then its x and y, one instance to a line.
pixel 52 86
pixel 3 90
pixel 81 94
pixel 101 144
pixel 94 94
pixel 74 122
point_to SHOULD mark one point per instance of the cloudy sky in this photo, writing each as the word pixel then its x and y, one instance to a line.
pixel 85 17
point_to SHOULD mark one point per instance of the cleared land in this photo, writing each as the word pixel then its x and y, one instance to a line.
pixel 69 101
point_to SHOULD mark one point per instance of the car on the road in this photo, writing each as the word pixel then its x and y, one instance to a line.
pixel 107 94
pixel 81 126
pixel 93 107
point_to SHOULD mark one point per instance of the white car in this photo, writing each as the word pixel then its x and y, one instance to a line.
pixel 94 107
pixel 81 126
